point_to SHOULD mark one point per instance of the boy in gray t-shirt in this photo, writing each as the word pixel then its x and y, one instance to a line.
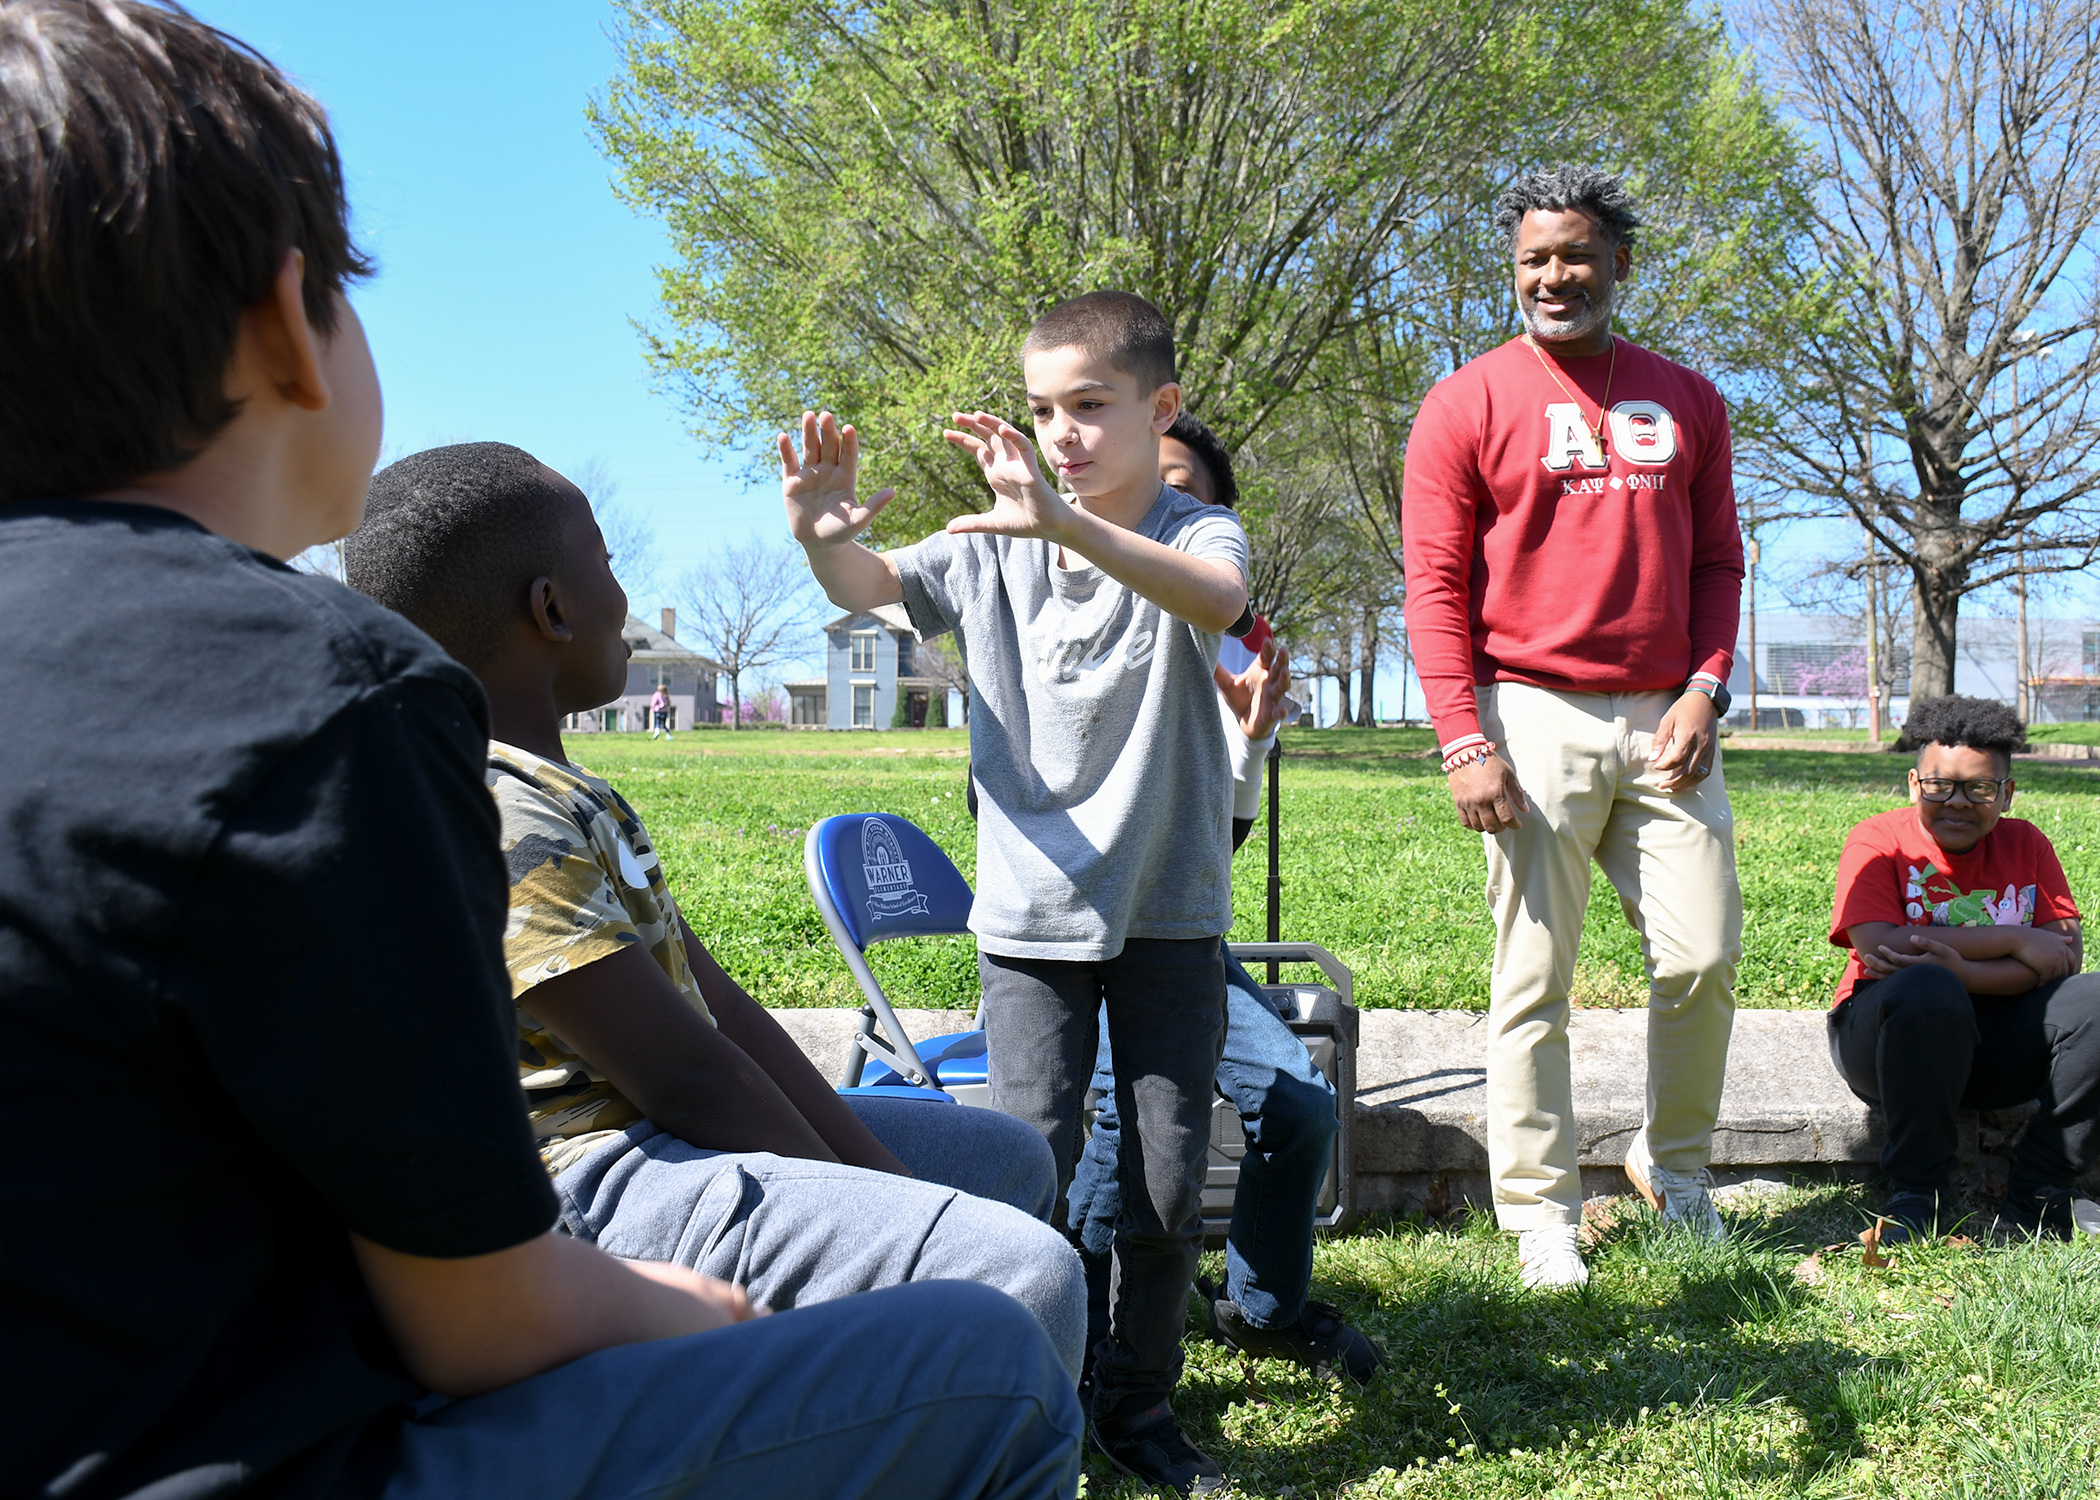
pixel 1091 626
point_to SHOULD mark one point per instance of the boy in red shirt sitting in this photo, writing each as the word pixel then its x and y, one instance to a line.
pixel 1964 988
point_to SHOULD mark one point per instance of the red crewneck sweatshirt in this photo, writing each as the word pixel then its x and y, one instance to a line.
pixel 1529 562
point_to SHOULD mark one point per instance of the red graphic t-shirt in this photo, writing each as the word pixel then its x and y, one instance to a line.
pixel 1892 870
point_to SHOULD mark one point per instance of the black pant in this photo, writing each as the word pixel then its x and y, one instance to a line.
pixel 1922 1047
pixel 1166 1029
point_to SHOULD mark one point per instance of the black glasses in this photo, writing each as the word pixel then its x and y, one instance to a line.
pixel 1982 792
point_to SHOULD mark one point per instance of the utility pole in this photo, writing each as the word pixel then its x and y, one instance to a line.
pixel 1873 645
pixel 2023 699
pixel 1750 582
pixel 1406 661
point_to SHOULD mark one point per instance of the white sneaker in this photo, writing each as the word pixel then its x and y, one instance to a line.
pixel 1548 1258
pixel 1680 1197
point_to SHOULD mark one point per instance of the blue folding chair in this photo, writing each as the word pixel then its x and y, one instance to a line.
pixel 875 877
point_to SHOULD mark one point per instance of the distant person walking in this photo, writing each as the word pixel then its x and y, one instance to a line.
pixel 1574 570
pixel 660 714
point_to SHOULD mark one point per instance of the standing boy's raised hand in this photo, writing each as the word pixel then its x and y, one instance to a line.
pixel 817 484
pixel 825 518
pixel 1023 504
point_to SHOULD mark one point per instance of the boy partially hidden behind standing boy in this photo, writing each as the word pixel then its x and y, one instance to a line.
pixel 1092 624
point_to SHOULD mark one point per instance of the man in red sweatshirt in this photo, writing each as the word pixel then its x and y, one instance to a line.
pixel 1573 575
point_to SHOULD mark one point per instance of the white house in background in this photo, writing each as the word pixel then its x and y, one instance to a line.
pixel 869 660
pixel 1811 669
pixel 692 680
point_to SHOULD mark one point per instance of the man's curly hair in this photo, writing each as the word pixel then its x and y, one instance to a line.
pixel 1569 185
pixel 1977 723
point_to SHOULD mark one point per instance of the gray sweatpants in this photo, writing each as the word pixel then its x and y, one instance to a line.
pixel 794 1232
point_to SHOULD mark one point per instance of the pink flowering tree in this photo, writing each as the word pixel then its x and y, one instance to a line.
pixel 1843 676
pixel 765 706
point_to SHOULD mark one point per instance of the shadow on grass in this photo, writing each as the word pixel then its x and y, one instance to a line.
pixel 1691 1343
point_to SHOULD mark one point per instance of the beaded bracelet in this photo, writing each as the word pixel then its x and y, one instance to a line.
pixel 1470 755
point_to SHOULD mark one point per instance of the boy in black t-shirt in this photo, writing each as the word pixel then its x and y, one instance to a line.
pixel 256 843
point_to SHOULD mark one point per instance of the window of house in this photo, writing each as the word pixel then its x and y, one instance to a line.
pixel 864 706
pixel 904 656
pixel 2091 653
pixel 863 652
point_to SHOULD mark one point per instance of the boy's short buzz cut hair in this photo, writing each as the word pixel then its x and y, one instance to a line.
pixel 1975 723
pixel 154 173
pixel 452 537
pixel 1590 190
pixel 1120 327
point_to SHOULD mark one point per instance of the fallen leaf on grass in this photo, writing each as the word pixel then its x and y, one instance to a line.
pixel 1944 1300
pixel 1255 1393
pixel 1872 1240
pixel 1810 1272
pixel 1600 1216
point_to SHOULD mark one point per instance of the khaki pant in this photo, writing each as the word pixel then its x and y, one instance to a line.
pixel 1583 759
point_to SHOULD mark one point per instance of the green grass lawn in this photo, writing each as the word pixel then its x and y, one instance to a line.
pixel 1375 865
pixel 2062 734
pixel 1682 1372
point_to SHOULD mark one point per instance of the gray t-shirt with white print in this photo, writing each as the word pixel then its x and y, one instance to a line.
pixel 1105 793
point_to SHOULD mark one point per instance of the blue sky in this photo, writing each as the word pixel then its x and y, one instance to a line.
pixel 509 274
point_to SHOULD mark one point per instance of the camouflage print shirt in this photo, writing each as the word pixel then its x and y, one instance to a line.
pixel 584 882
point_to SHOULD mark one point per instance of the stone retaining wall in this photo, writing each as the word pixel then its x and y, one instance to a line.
pixel 1421 1097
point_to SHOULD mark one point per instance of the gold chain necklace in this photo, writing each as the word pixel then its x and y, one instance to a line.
pixel 1595 457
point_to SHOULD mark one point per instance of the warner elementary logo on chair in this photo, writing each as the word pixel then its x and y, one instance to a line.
pixel 890 891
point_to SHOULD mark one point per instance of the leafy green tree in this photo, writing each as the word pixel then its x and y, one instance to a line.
pixel 870 201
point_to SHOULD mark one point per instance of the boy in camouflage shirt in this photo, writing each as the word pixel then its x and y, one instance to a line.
pixel 679 1120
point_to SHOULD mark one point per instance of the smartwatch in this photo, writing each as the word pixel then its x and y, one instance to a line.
pixel 1717 691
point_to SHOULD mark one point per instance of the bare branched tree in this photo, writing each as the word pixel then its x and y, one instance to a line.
pixel 942 659
pixel 323 558
pixel 747 605
pixel 628 535
pixel 1949 404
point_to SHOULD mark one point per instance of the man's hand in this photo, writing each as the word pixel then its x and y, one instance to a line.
pixel 1023 503
pixel 1685 742
pixel 1488 796
pixel 817 484
pixel 1255 696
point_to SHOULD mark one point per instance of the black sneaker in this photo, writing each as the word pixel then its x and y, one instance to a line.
pixel 1146 1442
pixel 2036 1213
pixel 1319 1340
pixel 1910 1215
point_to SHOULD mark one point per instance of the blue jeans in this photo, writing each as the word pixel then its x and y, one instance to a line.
pixel 1287 1109
pixel 794 1233
pixel 920 1392
pixel 976 1151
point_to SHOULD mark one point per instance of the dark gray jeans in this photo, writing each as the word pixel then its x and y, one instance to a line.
pixel 1165 1000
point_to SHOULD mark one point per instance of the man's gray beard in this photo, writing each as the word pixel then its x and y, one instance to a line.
pixel 1595 317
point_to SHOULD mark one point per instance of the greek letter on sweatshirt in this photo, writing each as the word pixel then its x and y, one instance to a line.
pixel 1526 562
